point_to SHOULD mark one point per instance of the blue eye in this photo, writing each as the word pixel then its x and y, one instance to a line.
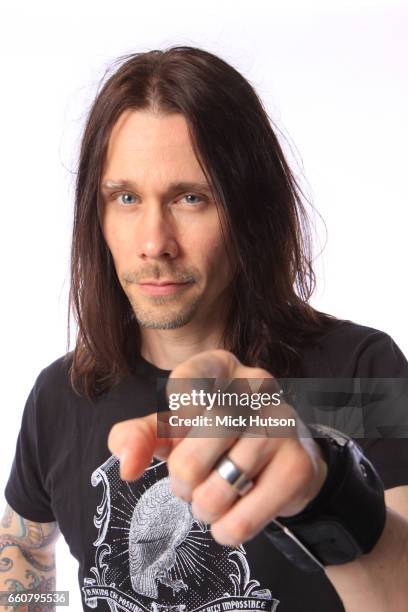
pixel 191 195
pixel 121 195
pixel 126 198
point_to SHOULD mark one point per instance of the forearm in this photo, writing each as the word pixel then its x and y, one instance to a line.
pixel 377 581
pixel 27 560
pixel 18 573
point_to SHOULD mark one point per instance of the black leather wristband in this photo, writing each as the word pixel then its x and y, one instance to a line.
pixel 346 518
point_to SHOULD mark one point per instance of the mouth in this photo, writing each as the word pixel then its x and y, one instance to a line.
pixel 162 287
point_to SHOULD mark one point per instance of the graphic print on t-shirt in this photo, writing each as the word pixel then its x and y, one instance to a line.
pixel 152 554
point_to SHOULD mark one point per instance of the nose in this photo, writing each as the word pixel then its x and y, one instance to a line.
pixel 157 235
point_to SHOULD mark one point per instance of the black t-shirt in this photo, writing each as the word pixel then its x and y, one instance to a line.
pixel 139 547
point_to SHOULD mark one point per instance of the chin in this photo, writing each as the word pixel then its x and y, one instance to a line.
pixel 171 324
pixel 149 319
pixel 165 312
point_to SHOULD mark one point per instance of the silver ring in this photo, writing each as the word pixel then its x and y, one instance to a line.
pixel 233 475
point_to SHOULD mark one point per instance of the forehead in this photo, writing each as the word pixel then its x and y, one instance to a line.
pixel 140 140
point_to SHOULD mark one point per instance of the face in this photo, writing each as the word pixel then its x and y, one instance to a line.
pixel 161 223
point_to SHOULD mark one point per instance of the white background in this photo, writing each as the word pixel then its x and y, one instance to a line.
pixel 335 81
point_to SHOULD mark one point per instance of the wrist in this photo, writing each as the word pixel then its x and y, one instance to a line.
pixel 333 526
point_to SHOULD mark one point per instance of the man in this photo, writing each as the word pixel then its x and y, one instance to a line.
pixel 190 257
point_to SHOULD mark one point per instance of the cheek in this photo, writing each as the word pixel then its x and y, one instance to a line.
pixel 117 238
pixel 214 257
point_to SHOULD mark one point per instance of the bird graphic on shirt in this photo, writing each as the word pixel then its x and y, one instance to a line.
pixel 160 523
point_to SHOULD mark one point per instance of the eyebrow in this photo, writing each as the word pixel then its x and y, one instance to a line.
pixel 176 187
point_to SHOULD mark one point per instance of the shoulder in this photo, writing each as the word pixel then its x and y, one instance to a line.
pixel 348 333
pixel 54 380
pixel 57 370
pixel 351 349
pixel 59 367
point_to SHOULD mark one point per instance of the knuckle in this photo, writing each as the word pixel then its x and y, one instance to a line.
pixel 266 446
pixel 259 373
pixel 185 468
pixel 239 527
pixel 226 361
pixel 205 500
pixel 208 498
pixel 262 448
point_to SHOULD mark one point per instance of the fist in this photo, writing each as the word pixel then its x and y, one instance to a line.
pixel 287 470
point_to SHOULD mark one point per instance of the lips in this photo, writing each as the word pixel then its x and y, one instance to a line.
pixel 161 283
pixel 164 287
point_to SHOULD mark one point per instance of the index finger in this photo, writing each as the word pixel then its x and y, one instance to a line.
pixel 135 442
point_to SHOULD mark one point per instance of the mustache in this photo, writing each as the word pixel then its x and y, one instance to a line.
pixel 157 273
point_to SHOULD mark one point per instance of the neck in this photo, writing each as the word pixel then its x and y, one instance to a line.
pixel 167 348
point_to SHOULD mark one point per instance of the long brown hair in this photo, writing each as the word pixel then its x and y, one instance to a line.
pixel 260 200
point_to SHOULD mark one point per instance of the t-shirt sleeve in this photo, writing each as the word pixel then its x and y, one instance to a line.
pixel 25 491
pixel 381 359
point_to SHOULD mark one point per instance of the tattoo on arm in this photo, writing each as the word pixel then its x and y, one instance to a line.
pixel 27 558
pixel 7 517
